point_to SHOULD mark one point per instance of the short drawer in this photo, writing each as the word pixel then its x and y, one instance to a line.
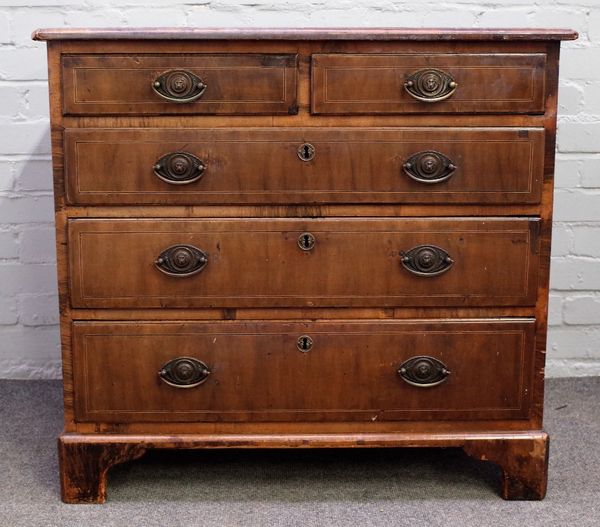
pixel 259 371
pixel 179 84
pixel 303 262
pixel 428 83
pixel 305 165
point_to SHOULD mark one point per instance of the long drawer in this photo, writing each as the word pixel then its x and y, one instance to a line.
pixel 150 84
pixel 428 83
pixel 259 371
pixel 306 165
pixel 303 262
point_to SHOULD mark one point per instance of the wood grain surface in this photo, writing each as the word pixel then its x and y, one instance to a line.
pixel 382 33
pixel 262 165
pixel 258 263
pixel 259 374
pixel 487 83
pixel 242 84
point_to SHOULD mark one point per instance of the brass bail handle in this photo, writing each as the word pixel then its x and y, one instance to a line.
pixel 423 371
pixel 179 86
pixel 179 168
pixel 184 372
pixel 429 167
pixel 181 261
pixel 430 85
pixel 426 260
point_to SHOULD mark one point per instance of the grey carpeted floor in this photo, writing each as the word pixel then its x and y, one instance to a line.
pixel 422 487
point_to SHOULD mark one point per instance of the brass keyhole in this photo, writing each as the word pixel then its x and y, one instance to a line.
pixel 306 152
pixel 306 241
pixel 304 343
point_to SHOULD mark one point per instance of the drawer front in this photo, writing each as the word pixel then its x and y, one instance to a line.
pixel 367 165
pixel 255 371
pixel 303 262
pixel 485 83
pixel 160 84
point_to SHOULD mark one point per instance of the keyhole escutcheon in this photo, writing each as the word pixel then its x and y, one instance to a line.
pixel 306 241
pixel 304 343
pixel 306 152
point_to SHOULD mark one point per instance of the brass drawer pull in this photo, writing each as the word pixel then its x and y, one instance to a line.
pixel 306 241
pixel 430 85
pixel 179 86
pixel 184 372
pixel 423 371
pixel 426 260
pixel 181 261
pixel 429 166
pixel 179 168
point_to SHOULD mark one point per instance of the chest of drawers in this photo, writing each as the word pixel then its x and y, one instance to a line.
pixel 303 238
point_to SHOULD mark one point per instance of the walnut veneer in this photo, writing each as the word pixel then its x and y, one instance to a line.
pixel 303 238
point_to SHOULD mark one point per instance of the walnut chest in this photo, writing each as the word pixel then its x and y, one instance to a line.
pixel 303 238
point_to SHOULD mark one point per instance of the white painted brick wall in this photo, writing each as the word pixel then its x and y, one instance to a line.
pixel 28 305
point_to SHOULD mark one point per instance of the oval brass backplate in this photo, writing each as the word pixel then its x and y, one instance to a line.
pixel 430 85
pixel 423 371
pixel 179 168
pixel 426 260
pixel 179 86
pixel 181 261
pixel 184 372
pixel 429 167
